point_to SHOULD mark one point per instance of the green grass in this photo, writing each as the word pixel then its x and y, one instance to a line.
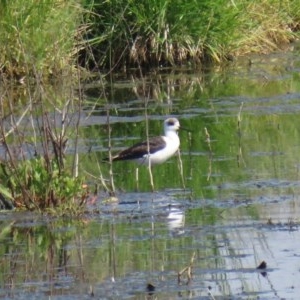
pixel 36 184
pixel 54 35
pixel 38 37
pixel 161 32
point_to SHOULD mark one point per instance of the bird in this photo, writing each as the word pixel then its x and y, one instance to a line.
pixel 155 150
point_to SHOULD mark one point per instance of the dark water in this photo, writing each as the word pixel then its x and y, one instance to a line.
pixel 236 205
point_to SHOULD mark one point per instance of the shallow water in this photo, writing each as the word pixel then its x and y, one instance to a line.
pixel 236 206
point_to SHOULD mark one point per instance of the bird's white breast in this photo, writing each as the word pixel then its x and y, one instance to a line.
pixel 172 145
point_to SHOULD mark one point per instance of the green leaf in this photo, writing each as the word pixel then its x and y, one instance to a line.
pixel 5 192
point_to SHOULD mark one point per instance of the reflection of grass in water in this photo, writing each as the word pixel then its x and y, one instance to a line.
pixel 102 250
pixel 32 249
pixel 135 251
pixel 262 145
pixel 214 99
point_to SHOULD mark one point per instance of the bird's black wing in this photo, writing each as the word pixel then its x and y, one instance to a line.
pixel 140 149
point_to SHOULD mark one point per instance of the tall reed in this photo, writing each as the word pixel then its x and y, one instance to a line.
pixel 155 33
pixel 161 33
pixel 43 35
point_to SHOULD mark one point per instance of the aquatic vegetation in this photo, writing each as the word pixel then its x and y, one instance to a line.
pixel 56 36
pixel 37 37
pixel 35 172
pixel 163 33
pixel 38 184
pixel 160 33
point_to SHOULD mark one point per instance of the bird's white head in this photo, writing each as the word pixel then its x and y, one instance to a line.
pixel 171 125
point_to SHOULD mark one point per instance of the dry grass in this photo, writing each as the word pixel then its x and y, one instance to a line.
pixel 268 26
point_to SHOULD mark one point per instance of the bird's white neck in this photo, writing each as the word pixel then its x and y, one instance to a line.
pixel 172 135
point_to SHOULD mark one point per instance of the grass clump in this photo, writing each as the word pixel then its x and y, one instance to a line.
pixel 161 32
pixel 52 35
pixel 36 173
pixel 36 184
pixel 267 26
pixel 153 33
pixel 38 36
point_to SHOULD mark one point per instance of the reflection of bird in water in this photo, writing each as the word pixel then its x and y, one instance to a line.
pixel 176 220
pixel 157 149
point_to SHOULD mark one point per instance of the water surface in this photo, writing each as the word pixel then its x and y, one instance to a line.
pixel 236 206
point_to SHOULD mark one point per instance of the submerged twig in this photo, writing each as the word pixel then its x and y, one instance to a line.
pixel 187 270
pixel 210 294
pixel 239 121
pixel 111 176
pixel 148 150
pixel 147 137
pixel 180 166
pixel 76 154
pixel 207 135
pixel 239 117
pixel 137 178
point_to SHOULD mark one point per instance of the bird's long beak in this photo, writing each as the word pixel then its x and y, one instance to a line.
pixel 185 129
